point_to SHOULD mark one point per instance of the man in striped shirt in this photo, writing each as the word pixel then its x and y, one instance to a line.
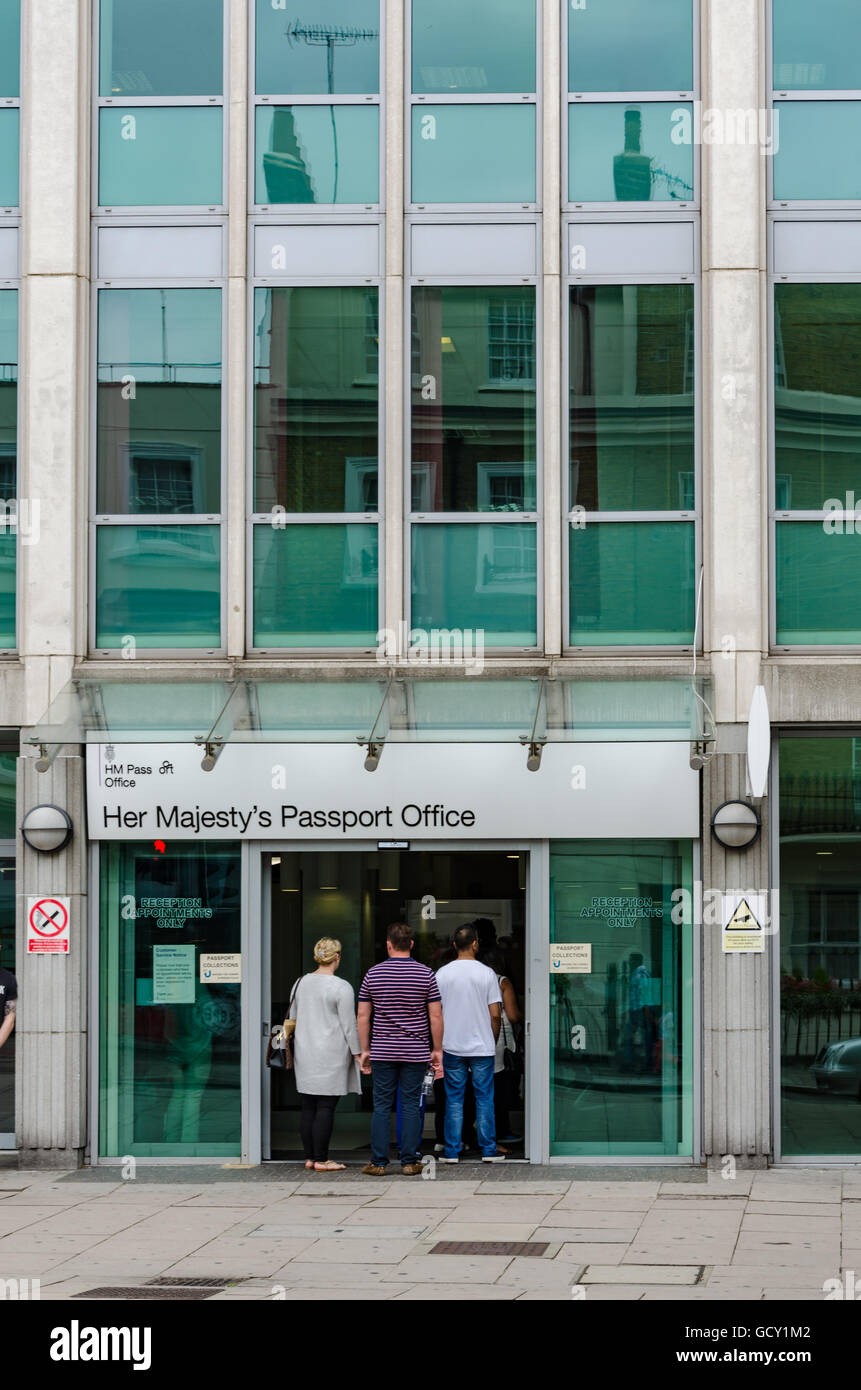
pixel 401 997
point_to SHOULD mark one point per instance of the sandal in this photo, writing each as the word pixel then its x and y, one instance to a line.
pixel 309 1164
pixel 329 1167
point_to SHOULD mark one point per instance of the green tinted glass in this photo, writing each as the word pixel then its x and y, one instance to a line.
pixel 619 153
pixel 811 162
pixel 8 816
pixel 631 372
pixel 169 1044
pixel 160 585
pixel 485 46
pixel 817 395
pixel 151 156
pixel 9 125
pixel 7 588
pixel 10 48
pixel 9 507
pixel 820 966
pixel 159 401
pixel 632 584
pixel 818 579
pixel 473 154
pixel 621 1036
pixel 7 962
pixel 316 407
pixel 163 48
pixel 817 47
pixel 317 154
pixel 318 46
pixel 479 577
pixel 626 46
pixel 473 399
pixel 316 586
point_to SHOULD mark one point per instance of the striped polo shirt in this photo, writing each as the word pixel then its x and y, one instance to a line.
pixel 399 989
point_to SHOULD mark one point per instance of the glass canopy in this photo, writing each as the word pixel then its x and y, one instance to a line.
pixel 394 709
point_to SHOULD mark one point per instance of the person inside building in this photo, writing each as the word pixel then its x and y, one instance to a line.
pixel 8 1003
pixel 471 1012
pixel 326 1051
pixel 508 1061
pixel 400 999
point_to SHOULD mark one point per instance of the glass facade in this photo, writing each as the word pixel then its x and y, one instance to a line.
pixel 316 585
pixel 484 151
pixel 13 517
pixel 820 946
pixel 158 454
pixel 474 450
pixel 621 1035
pixel 169 1045
pixel 10 89
pixel 166 152
pixel 625 46
pixel 8 830
pixel 317 154
pixel 632 450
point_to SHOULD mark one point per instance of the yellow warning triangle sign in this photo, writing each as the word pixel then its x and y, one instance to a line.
pixel 743 919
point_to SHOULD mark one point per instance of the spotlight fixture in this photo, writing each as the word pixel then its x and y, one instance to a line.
pixel 212 752
pixel 736 825
pixel 533 762
pixel 372 759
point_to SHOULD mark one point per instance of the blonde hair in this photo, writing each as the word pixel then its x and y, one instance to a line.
pixel 326 950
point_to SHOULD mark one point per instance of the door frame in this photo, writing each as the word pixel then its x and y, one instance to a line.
pixel 256 938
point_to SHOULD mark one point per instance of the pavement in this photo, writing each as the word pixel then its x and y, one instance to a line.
pixel 508 1232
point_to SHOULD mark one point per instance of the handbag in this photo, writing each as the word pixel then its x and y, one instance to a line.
pixel 279 1049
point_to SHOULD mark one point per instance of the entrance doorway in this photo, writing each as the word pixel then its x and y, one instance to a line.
pixel 353 895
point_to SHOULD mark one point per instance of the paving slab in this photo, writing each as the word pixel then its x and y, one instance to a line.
pixel 327 1293
pixel 587 1251
pixel 458 1293
pixel 791 1224
pixel 641 1274
pixel 486 1209
pixel 319 1231
pixel 600 1218
pixel 483 1230
pixel 817 1209
pixel 770 1276
pixel 540 1188
pixel 338 1250
pixel 528 1273
pixel 596 1235
pixel 714 1186
pixel 376 1215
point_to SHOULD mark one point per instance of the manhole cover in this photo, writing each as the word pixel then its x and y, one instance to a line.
pixel 176 1293
pixel 490 1247
pixel 164 1281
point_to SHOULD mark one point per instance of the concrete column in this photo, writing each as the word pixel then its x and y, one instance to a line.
pixel 235 369
pixel 736 988
pixel 392 375
pixel 51 1027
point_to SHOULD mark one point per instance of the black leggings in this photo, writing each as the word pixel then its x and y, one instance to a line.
pixel 315 1125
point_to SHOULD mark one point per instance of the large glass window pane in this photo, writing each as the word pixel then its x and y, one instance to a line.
pixel 631 372
pixel 320 46
pixel 473 399
pixel 8 799
pixel 817 47
pixel 8 549
pixel 170 1075
pixel 619 153
pixel 626 46
pixel 482 577
pixel 316 407
pixel 317 154
pixel 817 394
pixel 7 962
pixel 159 401
pixel 485 46
pixel 632 584
pixel 160 48
pixel 153 156
pixel 10 48
pixel 814 159
pixel 473 154
pixel 9 126
pixel 818 580
pixel 621 1036
pixel 160 585
pixel 820 945
pixel 316 586
pixel 9 504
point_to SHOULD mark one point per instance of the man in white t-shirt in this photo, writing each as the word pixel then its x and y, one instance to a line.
pixel 471 1019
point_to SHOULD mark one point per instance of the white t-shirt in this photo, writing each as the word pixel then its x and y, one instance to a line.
pixel 468 988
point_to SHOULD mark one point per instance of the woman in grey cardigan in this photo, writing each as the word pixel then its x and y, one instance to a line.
pixel 325 1051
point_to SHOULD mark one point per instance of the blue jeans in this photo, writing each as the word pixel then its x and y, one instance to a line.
pixel 387 1076
pixel 456 1071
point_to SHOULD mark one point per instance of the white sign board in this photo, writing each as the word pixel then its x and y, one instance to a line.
pixel 419 791
pixel 173 974
pixel 570 958
pixel 744 918
pixel 224 968
pixel 47 925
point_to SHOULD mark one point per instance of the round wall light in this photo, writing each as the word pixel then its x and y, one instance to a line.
pixel 46 829
pixel 736 825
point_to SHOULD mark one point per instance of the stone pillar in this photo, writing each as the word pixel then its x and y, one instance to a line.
pixel 736 988
pixel 51 1027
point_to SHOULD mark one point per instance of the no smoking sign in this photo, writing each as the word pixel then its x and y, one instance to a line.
pixel 48 926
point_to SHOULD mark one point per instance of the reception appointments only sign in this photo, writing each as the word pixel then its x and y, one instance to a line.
pixel 419 791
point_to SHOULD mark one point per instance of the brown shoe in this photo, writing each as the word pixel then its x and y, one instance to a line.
pixel 373 1171
pixel 410 1170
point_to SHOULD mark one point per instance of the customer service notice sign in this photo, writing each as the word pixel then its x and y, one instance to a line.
pixel 418 791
